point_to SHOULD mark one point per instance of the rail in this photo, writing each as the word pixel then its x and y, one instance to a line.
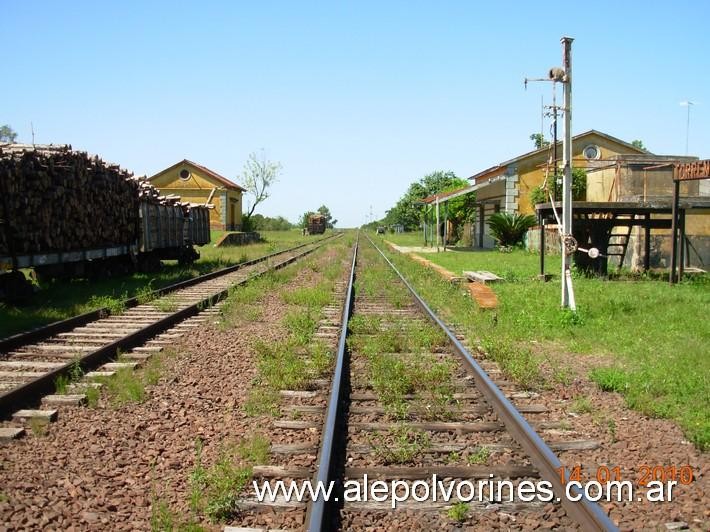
pixel 29 392
pixel 318 514
pixel 586 513
pixel 51 329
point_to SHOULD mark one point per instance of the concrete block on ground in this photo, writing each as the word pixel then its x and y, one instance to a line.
pixel 99 374
pixel 115 366
pixel 43 415
pixel 73 399
pixel 11 433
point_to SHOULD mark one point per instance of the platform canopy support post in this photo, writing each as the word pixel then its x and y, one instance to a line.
pixel 674 232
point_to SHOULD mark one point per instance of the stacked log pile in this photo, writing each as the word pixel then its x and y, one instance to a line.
pixel 57 199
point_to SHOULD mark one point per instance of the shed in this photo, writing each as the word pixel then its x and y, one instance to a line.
pixel 198 184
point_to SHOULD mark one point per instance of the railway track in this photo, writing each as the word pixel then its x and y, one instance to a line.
pixel 408 401
pixel 31 363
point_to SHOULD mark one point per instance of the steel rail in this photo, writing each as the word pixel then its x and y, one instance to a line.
pixel 589 515
pixel 57 327
pixel 29 392
pixel 318 514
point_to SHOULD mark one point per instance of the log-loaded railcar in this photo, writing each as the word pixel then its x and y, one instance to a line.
pixel 65 214
pixel 316 224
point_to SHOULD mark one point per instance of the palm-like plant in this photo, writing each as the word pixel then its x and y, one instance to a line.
pixel 509 229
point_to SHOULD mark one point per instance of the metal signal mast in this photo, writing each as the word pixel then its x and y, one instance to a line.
pixel 567 242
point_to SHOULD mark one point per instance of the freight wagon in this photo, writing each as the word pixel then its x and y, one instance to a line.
pixel 316 224
pixel 165 232
pixel 150 227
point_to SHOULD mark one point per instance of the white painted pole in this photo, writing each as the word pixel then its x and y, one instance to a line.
pixel 567 295
pixel 437 224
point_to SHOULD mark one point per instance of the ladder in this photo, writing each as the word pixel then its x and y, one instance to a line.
pixel 619 242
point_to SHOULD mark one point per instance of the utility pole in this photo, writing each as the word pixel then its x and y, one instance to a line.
pixel 553 113
pixel 567 291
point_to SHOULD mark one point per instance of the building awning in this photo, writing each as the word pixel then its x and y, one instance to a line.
pixel 446 196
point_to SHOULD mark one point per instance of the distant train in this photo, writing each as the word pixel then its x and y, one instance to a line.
pixel 316 224
pixel 126 227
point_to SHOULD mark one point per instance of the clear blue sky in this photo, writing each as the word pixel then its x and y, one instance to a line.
pixel 355 99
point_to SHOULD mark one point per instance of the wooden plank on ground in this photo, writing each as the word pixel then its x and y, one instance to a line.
pixel 482 276
pixel 484 296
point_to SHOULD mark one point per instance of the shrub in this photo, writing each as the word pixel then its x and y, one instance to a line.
pixel 509 229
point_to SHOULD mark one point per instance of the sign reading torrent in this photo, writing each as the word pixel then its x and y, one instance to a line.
pixel 692 171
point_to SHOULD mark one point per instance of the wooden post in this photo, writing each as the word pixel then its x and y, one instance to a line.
pixel 681 262
pixel 437 224
pixel 647 244
pixel 542 246
pixel 674 232
pixel 481 224
pixel 424 226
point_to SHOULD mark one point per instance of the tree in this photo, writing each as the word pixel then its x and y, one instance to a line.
pixel 638 144
pixel 303 222
pixel 258 176
pixel 7 134
pixel 579 188
pixel 325 211
pixel 461 209
pixel 266 223
pixel 408 210
pixel 539 140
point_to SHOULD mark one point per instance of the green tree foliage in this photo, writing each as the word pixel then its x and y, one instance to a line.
pixel 329 221
pixel 266 223
pixel 323 210
pixel 509 229
pixel 408 210
pixel 579 188
pixel 638 144
pixel 303 221
pixel 539 140
pixel 7 134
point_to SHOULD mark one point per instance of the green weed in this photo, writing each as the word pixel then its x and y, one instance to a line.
pixel 610 379
pixel 301 325
pixel 581 405
pixel 458 512
pixel 166 304
pixel 92 396
pixel 163 519
pixel 39 427
pixel 115 306
pixel 313 297
pixel 215 490
pixel 280 366
pixel 400 445
pixel 480 457
pixel 262 401
pixel 145 294
pixel 124 387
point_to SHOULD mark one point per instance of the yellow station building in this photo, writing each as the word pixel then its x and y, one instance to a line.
pixel 198 184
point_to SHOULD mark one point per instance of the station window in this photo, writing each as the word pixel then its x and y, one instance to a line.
pixel 592 152
pixel 184 174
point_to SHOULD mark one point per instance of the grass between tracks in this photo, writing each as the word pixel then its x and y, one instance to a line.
pixel 215 489
pixel 651 337
pixel 58 300
pixel 292 362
